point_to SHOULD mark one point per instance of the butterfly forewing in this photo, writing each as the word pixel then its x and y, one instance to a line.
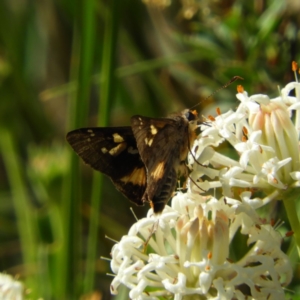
pixel 112 151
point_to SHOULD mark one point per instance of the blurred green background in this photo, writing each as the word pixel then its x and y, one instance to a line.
pixel 69 64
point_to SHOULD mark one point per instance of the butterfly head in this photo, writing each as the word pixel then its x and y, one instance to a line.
pixel 190 115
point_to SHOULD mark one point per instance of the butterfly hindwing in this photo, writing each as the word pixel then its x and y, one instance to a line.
pixel 112 151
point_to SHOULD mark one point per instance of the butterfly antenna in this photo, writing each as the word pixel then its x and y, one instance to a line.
pixel 152 232
pixel 233 79
pixel 195 183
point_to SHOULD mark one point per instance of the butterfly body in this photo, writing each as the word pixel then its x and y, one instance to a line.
pixel 143 160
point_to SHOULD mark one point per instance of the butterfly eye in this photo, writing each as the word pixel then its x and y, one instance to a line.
pixel 191 115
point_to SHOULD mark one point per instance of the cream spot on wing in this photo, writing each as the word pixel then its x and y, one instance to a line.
pixel 159 171
pixel 136 177
pixel 92 134
pixel 148 142
pixel 104 150
pixel 90 131
pixel 118 149
pixel 153 129
pixel 117 138
pixel 132 151
pixel 88 139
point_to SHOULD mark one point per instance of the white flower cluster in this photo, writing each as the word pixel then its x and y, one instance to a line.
pixel 266 141
pixel 10 289
pixel 187 250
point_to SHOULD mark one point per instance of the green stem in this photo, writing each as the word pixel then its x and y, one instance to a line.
pixel 88 27
pixel 65 263
pixel 21 200
pixel 106 96
pixel 291 210
pixel 70 281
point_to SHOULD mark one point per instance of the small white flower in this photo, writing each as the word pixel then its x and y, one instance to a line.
pixel 247 104
pixel 10 289
pixel 269 172
pixel 251 150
